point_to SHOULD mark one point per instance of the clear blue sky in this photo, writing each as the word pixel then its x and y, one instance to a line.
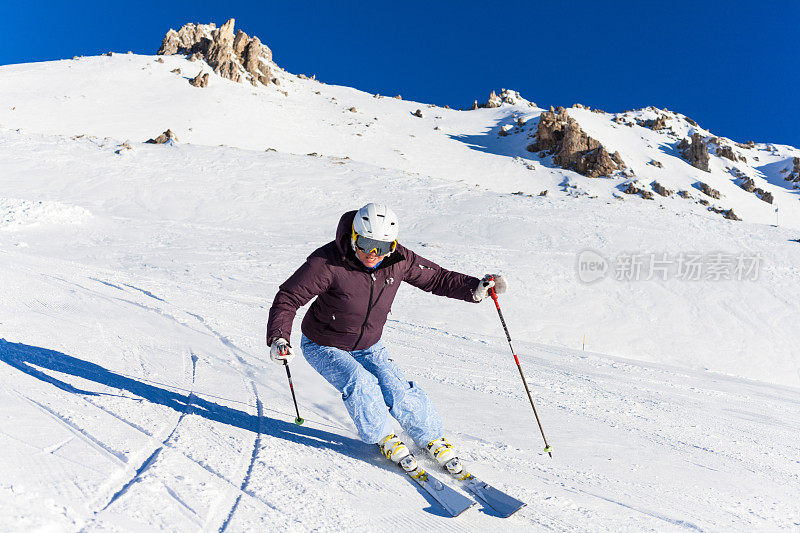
pixel 733 66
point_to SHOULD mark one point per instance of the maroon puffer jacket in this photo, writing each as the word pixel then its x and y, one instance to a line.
pixel 352 302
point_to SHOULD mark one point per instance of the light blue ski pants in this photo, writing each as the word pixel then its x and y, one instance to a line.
pixel 369 383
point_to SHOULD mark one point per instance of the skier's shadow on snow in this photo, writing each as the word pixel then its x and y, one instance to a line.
pixel 32 360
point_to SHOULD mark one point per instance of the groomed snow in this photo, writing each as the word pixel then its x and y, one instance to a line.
pixel 138 394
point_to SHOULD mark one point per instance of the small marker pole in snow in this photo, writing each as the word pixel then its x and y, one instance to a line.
pixel 493 294
pixel 298 420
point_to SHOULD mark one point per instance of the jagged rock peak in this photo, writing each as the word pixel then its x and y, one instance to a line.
pixel 506 96
pixel 232 56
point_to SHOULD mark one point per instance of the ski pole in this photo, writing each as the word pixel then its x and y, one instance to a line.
pixel 298 420
pixel 493 294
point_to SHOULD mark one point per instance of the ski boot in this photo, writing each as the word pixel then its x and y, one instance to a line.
pixel 397 452
pixel 393 448
pixel 444 454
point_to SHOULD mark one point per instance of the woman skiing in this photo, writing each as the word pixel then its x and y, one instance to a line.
pixel 355 279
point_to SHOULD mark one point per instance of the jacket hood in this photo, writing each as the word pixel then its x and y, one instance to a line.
pixel 344 231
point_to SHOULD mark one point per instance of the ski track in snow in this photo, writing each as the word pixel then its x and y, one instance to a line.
pixel 163 437
pixel 131 470
pixel 250 465
pixel 80 433
pixel 237 491
pixel 251 462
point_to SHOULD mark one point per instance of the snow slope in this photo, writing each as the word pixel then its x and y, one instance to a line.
pixel 137 393
pixel 127 96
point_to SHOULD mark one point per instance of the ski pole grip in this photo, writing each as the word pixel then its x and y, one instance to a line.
pixel 493 294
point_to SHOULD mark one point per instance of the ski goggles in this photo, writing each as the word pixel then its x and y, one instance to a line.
pixel 373 246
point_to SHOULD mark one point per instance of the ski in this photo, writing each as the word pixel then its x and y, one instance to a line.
pixel 450 499
pixel 504 504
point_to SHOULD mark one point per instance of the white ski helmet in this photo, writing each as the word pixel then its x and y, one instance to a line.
pixel 376 222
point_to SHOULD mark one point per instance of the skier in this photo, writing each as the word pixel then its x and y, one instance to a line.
pixel 355 279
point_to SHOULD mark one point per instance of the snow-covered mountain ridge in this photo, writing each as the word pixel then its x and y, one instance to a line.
pixel 125 96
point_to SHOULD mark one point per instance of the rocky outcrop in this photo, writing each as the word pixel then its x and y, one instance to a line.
pixel 727 152
pixel 708 191
pixel 571 147
pixel 231 56
pixel 634 188
pixel 660 189
pixel 659 123
pixel 123 148
pixel 763 195
pixel 695 152
pixel 494 101
pixel 506 96
pixel 201 80
pixel 631 188
pixel 730 215
pixel 794 175
pixel 727 213
pixel 749 185
pixel 164 138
